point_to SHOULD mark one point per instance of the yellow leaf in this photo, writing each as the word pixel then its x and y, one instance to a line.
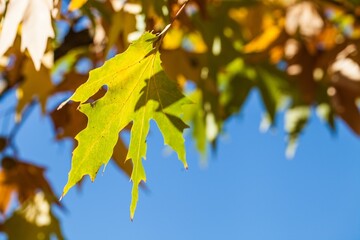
pixel 276 54
pixel 173 39
pixel 138 91
pixel 180 64
pixel 262 42
pixel 36 85
pixel 196 40
pixel 76 4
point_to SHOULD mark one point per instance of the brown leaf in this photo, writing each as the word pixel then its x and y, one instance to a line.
pixel 71 82
pixel 179 64
pixel 68 121
pixel 345 106
pixel 345 71
pixel 36 85
pixel 301 67
pixel 36 220
pixel 24 179
pixel 251 18
pixel 122 24
pixel 6 191
pixel 119 157
pixel 73 40
pixel 202 7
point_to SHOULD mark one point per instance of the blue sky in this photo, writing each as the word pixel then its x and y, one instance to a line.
pixel 248 191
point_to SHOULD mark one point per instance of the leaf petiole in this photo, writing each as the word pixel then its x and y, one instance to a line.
pixel 162 34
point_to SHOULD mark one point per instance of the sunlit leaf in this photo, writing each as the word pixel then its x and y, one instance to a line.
pixel 138 91
pixel 34 220
pixel 36 27
pixel 76 4
pixel 295 120
pixel 37 86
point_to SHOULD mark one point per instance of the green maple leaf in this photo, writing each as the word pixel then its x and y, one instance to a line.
pixel 137 91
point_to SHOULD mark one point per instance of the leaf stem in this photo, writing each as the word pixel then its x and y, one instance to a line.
pixel 165 30
pixel 180 10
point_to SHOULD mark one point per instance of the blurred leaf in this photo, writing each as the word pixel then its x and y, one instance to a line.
pixel 345 106
pixel 235 87
pixel 181 65
pixel 68 122
pixel 122 24
pixel 325 112
pixel 305 18
pixel 74 44
pixel 36 27
pixel 295 120
pixel 34 220
pixel 71 81
pixel 173 39
pixel 272 88
pixel 194 114
pixel 24 179
pixel 37 85
pixel 76 4
pixel 6 191
pixel 119 157
pixel 262 42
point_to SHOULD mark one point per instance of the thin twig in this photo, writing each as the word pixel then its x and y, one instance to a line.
pixel 6 119
pixel 25 115
pixel 8 111
pixel 18 126
pixel 180 10
pixel 165 30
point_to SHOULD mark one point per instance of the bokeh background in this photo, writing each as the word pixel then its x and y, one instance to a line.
pixel 249 63
pixel 248 189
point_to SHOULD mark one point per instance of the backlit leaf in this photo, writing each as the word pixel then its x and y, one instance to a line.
pixel 138 91
pixel 35 219
pixel 37 85
pixel 262 42
pixel 68 122
pixel 36 27
pixel 296 119
pixel 76 4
